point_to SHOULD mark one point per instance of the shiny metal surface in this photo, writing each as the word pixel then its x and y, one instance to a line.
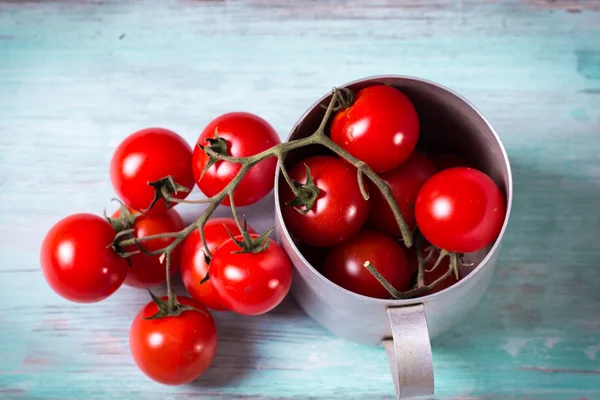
pixel 448 123
pixel 409 352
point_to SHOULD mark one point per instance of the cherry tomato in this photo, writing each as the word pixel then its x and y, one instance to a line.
pixel 147 271
pixel 193 263
pixel 405 182
pixel 413 263
pixel 381 128
pixel 344 265
pixel 460 210
pixel 444 161
pixel 173 350
pixel 147 156
pixel 339 211
pixel 251 283
pixel 246 135
pixel 76 261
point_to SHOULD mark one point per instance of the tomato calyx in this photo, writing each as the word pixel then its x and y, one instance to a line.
pixel 216 145
pixel 168 308
pixel 454 259
pixel 344 99
pixel 125 220
pixel 306 194
pixel 248 244
pixel 165 188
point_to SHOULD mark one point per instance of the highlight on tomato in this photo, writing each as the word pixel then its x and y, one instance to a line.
pixel 345 264
pixel 236 134
pixel 251 273
pixel 77 260
pixel 194 266
pixel 173 350
pixel 329 207
pixel 151 155
pixel 460 210
pixel 380 128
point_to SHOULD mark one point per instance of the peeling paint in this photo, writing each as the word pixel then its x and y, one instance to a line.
pixel 592 351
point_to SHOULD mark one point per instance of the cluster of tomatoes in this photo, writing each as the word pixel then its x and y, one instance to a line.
pixel 83 255
pixel 85 258
pixel 456 208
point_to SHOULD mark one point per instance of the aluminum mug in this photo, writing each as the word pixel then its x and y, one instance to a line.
pixel 449 123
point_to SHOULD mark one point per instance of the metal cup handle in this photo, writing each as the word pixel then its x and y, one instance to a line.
pixel 409 352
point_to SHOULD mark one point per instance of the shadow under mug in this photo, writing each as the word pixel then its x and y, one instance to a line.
pixel 405 327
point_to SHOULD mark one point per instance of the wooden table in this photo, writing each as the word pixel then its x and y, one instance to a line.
pixel 78 76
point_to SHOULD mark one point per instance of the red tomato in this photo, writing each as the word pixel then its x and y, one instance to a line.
pixel 444 161
pixel 413 263
pixel 251 283
pixel 381 128
pixel 339 211
pixel 344 265
pixel 193 264
pixel 147 271
pixel 405 182
pixel 76 261
pixel 460 210
pixel 173 350
pixel 246 135
pixel 147 156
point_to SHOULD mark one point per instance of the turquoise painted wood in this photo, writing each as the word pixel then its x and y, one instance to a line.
pixel 78 76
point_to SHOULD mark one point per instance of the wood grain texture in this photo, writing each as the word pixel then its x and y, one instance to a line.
pixel 77 77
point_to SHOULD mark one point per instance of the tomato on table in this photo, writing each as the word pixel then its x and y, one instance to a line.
pixel 193 262
pixel 173 350
pixel 77 262
pixel 344 264
pixel 460 210
pixel 146 156
pixel 405 182
pixel 147 271
pixel 380 128
pixel 339 211
pixel 245 135
pixel 251 283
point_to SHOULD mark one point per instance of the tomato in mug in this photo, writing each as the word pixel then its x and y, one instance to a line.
pixel 77 262
pixel 147 271
pixel 344 264
pixel 405 182
pixel 339 211
pixel 146 156
pixel 460 210
pixel 380 128
pixel 193 263
pixel 245 135
pixel 173 350
pixel 444 161
pixel 251 283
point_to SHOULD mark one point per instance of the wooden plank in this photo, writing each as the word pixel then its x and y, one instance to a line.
pixel 77 77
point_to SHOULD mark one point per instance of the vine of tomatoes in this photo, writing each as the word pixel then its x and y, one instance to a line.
pixel 359 205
